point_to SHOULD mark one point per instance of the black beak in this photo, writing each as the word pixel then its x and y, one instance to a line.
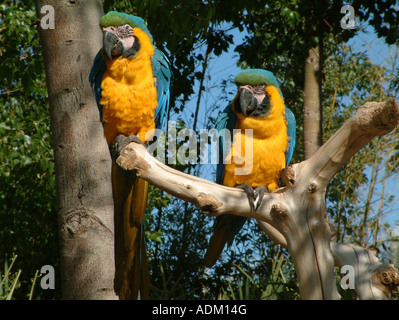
pixel 113 47
pixel 248 101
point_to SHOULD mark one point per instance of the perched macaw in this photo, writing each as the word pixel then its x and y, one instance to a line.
pixel 131 80
pixel 259 106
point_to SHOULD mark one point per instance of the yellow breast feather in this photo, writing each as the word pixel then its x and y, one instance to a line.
pixel 269 142
pixel 129 96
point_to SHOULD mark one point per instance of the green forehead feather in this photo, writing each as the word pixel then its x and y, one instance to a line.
pixel 256 77
pixel 115 19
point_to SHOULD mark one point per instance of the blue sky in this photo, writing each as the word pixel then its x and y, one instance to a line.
pixel 225 67
pixel 381 54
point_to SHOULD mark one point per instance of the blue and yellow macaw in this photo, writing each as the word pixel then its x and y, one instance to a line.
pixel 131 80
pixel 259 106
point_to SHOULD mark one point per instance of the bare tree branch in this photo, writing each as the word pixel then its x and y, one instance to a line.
pixel 294 216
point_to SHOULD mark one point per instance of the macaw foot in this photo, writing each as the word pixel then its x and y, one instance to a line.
pixel 122 141
pixel 259 193
pixel 254 196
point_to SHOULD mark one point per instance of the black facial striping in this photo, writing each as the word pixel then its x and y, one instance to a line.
pixel 125 31
pixel 263 109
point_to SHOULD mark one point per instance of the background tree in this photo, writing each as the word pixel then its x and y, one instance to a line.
pixel 194 34
pixel 268 46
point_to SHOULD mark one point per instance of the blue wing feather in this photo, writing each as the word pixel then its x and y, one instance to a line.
pixel 163 75
pixel 96 77
pixel 291 133
pixel 226 120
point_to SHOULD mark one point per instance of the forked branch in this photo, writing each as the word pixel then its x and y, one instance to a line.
pixel 294 215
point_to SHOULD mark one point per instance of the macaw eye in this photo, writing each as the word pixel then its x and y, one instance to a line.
pixel 259 89
pixel 126 28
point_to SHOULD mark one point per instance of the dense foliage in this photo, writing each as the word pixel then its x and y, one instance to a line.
pixel 192 33
pixel 28 222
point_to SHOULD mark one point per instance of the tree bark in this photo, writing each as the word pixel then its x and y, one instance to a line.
pixel 294 215
pixel 312 112
pixel 82 162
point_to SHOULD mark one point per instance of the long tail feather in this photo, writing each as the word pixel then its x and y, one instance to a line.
pixel 217 242
pixel 131 268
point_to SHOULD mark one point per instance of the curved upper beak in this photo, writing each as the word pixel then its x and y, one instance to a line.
pixel 112 45
pixel 249 100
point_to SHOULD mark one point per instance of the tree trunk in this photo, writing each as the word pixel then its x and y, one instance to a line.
pixel 312 110
pixel 82 162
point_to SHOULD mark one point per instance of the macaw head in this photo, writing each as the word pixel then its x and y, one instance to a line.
pixel 258 89
pixel 124 35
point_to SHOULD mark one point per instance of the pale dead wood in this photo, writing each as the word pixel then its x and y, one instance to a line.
pixel 374 280
pixel 212 198
pixel 294 216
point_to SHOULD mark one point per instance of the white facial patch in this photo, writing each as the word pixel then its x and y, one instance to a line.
pixel 128 42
